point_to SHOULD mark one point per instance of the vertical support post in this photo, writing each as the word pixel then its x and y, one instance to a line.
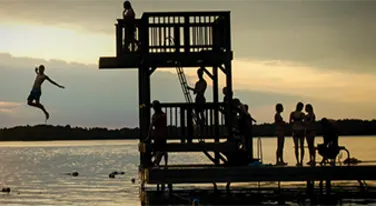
pixel 182 125
pixel 177 38
pixel 228 68
pixel 144 111
pixel 186 35
pixel 144 92
pixel 189 125
pixel 216 110
pixel 119 40
pixel 229 95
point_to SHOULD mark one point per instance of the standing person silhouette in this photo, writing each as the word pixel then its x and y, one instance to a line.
pixel 297 121
pixel 280 131
pixel 199 91
pixel 310 133
pixel 159 134
pixel 130 17
pixel 36 91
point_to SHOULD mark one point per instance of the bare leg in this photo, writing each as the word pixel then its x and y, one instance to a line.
pixel 282 145
pixel 40 106
pixel 311 148
pixel 301 149
pixel 158 158
pixel 278 153
pixel 296 144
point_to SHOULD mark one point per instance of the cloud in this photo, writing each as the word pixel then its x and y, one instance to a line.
pixel 109 98
pixel 9 104
pixel 3 110
pixel 326 35
pixel 9 107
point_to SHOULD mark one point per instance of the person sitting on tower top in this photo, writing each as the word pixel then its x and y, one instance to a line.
pixel 199 91
pixel 36 91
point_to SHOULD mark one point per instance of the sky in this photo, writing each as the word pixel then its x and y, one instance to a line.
pixel 318 52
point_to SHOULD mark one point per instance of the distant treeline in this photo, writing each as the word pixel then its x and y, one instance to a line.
pixel 48 132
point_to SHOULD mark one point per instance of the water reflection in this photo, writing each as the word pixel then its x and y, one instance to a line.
pixel 35 171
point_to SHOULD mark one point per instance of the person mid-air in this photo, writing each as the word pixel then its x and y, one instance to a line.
pixel 36 91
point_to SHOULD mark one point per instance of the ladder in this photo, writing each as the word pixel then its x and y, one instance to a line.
pixel 187 94
pixel 183 83
pixel 184 87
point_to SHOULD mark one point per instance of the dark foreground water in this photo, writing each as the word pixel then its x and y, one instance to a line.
pixel 35 170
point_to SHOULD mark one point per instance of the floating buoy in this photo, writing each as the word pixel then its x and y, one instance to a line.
pixel 6 189
pixel 133 180
pixel 112 174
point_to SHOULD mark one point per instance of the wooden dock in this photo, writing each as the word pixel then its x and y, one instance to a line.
pixel 289 195
pixel 209 174
pixel 355 176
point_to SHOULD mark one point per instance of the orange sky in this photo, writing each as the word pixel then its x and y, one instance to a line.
pixel 309 57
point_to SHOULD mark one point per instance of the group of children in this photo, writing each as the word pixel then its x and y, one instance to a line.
pixel 303 127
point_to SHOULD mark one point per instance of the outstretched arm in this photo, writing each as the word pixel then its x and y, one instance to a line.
pixel 54 83
pixel 253 120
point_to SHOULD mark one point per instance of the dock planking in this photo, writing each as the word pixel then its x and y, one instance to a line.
pixel 258 196
pixel 194 147
pixel 203 174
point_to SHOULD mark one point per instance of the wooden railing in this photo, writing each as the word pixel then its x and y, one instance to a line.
pixel 170 32
pixel 124 28
pixel 181 124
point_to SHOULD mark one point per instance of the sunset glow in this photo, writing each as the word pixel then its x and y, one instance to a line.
pixel 285 52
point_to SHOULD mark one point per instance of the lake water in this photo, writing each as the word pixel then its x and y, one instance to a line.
pixel 35 170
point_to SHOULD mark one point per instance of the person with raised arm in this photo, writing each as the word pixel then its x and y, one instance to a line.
pixel 36 92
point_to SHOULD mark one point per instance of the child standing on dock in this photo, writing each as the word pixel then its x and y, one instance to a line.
pixel 298 129
pixel 280 132
pixel 310 127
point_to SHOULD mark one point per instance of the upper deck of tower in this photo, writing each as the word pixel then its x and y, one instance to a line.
pixel 160 38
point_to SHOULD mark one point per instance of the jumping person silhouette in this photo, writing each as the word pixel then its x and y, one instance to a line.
pixel 36 91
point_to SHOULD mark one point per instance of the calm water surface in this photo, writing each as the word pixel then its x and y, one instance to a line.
pixel 35 170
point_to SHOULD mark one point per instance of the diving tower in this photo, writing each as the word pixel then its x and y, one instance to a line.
pixel 179 40
pixel 186 40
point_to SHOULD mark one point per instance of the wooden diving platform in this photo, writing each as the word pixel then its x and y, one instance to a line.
pixel 185 174
pixel 133 60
